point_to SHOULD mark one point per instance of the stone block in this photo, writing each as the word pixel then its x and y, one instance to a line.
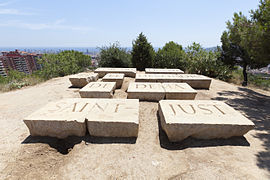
pixel 113 117
pixel 146 91
pixel 98 90
pixel 82 79
pixel 114 77
pixel 202 119
pixel 157 78
pixel 181 91
pixel 196 81
pixel 129 72
pixel 163 71
pixel 71 117
pixel 58 119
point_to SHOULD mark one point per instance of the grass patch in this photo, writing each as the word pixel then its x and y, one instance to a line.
pixel 254 80
pixel 17 80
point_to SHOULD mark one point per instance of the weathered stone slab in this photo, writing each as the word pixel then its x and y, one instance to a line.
pixel 80 80
pixel 146 91
pixel 58 119
pixel 114 77
pixel 114 118
pixel 157 78
pixel 181 91
pixel 163 71
pixel 98 90
pixel 196 81
pixel 129 72
pixel 202 119
pixel 102 117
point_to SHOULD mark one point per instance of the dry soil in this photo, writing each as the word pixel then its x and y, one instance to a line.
pixel 150 156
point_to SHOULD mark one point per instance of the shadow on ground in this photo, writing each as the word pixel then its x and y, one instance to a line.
pixel 255 107
pixel 64 146
pixel 197 143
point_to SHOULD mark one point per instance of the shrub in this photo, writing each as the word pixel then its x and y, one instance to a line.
pixel 171 55
pixel 64 63
pixel 201 61
pixel 114 56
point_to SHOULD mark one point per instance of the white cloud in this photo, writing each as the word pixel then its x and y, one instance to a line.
pixel 13 12
pixel 5 3
pixel 57 25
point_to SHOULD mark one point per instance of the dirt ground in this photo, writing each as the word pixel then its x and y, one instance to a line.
pixel 150 156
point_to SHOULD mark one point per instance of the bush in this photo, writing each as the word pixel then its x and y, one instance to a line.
pixel 171 55
pixel 142 53
pixel 114 56
pixel 201 61
pixel 64 63
pixel 17 80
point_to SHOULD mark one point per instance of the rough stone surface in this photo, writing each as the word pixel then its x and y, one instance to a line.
pixel 157 78
pixel 196 81
pixel 58 119
pixel 98 90
pixel 113 117
pixel 146 91
pixel 202 119
pixel 114 77
pixel 163 71
pixel 82 79
pixel 129 72
pixel 181 91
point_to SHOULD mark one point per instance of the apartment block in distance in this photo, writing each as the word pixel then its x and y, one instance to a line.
pixel 20 61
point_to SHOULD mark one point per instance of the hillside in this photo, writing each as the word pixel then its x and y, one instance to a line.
pixel 151 156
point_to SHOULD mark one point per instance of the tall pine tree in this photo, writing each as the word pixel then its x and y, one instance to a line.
pixel 142 53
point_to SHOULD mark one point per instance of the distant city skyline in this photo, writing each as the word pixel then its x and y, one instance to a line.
pixel 82 23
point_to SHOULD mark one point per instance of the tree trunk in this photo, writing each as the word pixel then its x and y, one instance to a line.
pixel 245 75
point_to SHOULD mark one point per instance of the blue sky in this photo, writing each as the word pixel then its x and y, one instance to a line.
pixel 92 23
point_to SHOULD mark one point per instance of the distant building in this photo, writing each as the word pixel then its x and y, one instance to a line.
pixel 268 69
pixel 2 69
pixel 20 61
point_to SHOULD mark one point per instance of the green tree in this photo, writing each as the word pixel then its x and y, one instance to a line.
pixel 114 56
pixel 171 55
pixel 246 41
pixel 261 18
pixel 142 53
pixel 239 42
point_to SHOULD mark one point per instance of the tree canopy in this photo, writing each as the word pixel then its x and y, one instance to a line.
pixel 245 42
pixel 171 55
pixel 142 53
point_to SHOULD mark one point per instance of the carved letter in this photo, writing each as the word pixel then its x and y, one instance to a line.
pixel 194 111
pixel 219 109
pixel 172 109
pixel 203 108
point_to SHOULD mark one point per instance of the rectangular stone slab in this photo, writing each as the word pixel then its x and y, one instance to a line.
pixel 114 77
pixel 163 71
pixel 80 80
pixel 113 117
pixel 129 72
pixel 181 91
pixel 157 78
pixel 146 91
pixel 196 81
pixel 58 119
pixel 98 90
pixel 202 119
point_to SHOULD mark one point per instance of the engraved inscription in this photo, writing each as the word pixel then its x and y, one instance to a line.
pixel 205 109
